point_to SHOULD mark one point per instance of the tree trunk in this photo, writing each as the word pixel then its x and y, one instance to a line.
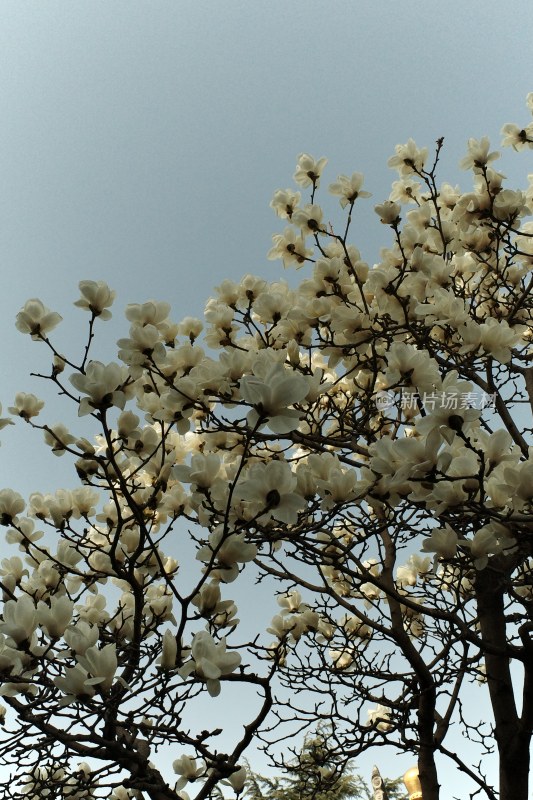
pixel 427 774
pixel 514 768
pixel 512 732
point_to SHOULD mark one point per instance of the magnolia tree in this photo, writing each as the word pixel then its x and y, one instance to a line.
pixel 362 440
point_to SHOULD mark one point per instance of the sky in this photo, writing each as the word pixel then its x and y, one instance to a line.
pixel 141 143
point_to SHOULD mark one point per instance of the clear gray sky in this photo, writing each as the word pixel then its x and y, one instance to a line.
pixel 141 142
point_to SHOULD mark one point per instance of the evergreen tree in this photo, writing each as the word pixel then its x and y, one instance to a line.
pixel 311 777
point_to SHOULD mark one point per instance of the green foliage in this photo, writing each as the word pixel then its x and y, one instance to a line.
pixel 311 777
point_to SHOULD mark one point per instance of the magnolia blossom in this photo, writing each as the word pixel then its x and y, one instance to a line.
pixel 228 552
pixel 81 636
pixel 308 171
pixel 285 202
pixel 271 396
pixel 354 627
pixel 388 212
pixel 290 247
pixel 11 504
pixel 20 618
pixel 56 617
pixel 144 344
pixel 210 605
pixel 96 297
pixel 379 718
pixel 169 651
pixel 489 540
pixel 408 158
pixel 237 780
pixel 516 137
pixel 478 154
pixel 101 664
pixel 349 188
pixel 189 769
pixel 26 405
pixel 210 661
pixel 270 489
pixel 406 363
pixel 36 319
pixel 308 219
pixel 58 438
pixel 4 421
pixel 25 532
pixel 296 624
pixel 10 657
pixel 12 571
pixel 150 313
pixel 104 386
pixel 202 472
pixel 75 684
pixel 408 574
pixel 343 659
pixel 497 338
pixel 442 541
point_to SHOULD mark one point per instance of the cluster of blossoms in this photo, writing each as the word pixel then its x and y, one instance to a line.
pixel 259 431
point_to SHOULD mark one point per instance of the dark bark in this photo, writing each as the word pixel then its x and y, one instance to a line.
pixel 512 732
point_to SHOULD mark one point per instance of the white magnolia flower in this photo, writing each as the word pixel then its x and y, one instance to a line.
pixel 408 574
pixel 209 603
pixel 478 155
pixel 379 718
pixel 516 137
pixel 191 327
pixel 169 651
pixel 210 661
pixel 308 170
pixel 26 405
pixel 284 202
pixel 309 219
pixel 11 504
pixel 189 769
pixel 58 438
pixel 294 625
pixel 12 571
pixel 489 540
pixel 10 658
pixel 408 365
pixel 81 636
pixel 101 664
pixel 409 158
pixel 20 618
pixel 271 397
pixel 227 551
pixel 271 489
pixel 290 247
pixel 120 793
pixel 75 683
pixel 150 313
pixel 388 212
pixel 237 779
pixel 96 297
pixel 497 338
pixel 344 658
pixel 4 420
pixel 103 384
pixel 55 618
pixel 143 346
pixel 36 319
pixel 349 188
pixel 202 472
pixel 443 542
